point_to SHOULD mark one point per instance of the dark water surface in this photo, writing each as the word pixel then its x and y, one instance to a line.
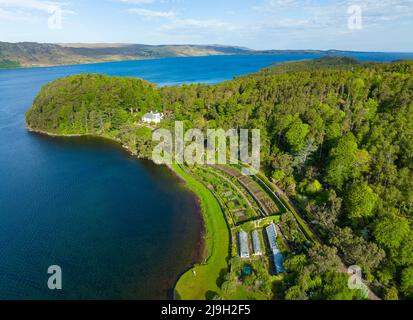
pixel 118 227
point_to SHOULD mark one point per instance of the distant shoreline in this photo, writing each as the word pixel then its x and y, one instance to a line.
pixel 200 56
pixel 83 63
pixel 47 55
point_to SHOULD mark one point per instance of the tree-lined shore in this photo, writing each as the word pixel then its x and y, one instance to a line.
pixel 336 135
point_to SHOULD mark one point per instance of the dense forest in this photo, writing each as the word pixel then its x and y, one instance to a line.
pixel 336 135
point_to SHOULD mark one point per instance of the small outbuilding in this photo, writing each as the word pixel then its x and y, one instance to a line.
pixel 278 260
pixel 256 243
pixel 272 236
pixel 244 250
pixel 276 253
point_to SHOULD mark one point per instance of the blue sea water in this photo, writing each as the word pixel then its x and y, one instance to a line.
pixel 119 228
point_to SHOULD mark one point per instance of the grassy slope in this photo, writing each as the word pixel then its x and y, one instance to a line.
pixel 204 283
pixel 9 64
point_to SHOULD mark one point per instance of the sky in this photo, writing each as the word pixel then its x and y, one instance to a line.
pixel 362 25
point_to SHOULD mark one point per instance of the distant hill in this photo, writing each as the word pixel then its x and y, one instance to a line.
pixel 33 54
pixel 28 54
pixel 7 64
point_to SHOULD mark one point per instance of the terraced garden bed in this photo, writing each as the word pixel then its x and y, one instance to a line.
pixel 267 205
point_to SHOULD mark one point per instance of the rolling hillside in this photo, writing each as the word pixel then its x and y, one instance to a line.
pixel 32 54
pixel 27 54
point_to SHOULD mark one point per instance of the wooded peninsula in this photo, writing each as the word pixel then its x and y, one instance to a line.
pixel 337 170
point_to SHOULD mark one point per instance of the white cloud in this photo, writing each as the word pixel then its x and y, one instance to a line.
pixel 137 1
pixel 283 3
pixel 29 4
pixel 151 13
pixel 183 24
pixel 23 8
pixel 273 5
pixel 383 10
pixel 34 11
pixel 194 23
pixel 332 15
pixel 12 16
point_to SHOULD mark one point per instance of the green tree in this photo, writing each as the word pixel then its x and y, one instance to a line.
pixel 407 282
pixel 391 231
pixel 360 201
pixel 404 255
pixel 278 175
pixel 336 287
pixel 296 135
pixel 391 294
pixel 295 263
pixel 346 161
pixel 314 187
pixel 323 258
pixel 296 293
pixel 357 250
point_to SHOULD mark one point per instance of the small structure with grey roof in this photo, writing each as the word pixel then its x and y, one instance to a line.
pixel 256 243
pixel 244 250
pixel 278 260
pixel 276 253
pixel 272 236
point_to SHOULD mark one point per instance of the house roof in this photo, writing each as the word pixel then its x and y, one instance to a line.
pixel 152 115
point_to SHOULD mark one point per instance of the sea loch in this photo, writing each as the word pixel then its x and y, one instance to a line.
pixel 118 227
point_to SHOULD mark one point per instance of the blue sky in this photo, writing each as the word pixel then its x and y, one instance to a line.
pixel 386 25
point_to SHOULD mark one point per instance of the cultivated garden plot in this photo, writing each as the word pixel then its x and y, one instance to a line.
pixel 266 204
pixel 239 206
pixel 255 275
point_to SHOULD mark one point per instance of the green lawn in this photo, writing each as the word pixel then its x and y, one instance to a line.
pixel 202 281
pixel 249 226
pixel 244 293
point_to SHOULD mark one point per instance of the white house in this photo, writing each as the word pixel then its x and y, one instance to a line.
pixel 153 117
